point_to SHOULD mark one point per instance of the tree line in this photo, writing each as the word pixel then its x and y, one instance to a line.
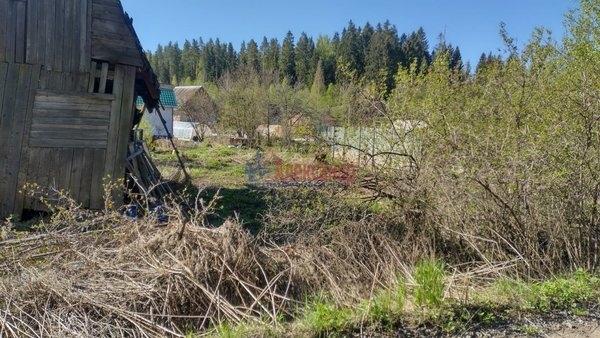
pixel 372 53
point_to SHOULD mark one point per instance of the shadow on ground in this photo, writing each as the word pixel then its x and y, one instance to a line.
pixel 246 204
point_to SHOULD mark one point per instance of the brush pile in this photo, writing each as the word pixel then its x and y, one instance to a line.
pixel 101 274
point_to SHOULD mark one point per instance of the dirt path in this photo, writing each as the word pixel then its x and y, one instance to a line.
pixel 575 329
pixel 559 325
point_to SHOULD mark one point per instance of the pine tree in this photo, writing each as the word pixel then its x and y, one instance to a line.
pixel 350 51
pixel 173 58
pixel 318 85
pixel 189 61
pixel 305 64
pixel 243 54
pixel 270 55
pixel 231 58
pixel 416 49
pixel 253 56
pixel 325 52
pixel 383 56
pixel 287 61
pixel 456 62
pixel 161 65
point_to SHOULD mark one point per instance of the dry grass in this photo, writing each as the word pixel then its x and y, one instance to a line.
pixel 102 274
pixel 84 273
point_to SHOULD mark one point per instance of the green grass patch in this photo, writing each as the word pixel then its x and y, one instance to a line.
pixel 326 319
pixel 569 293
pixel 429 278
pixel 386 307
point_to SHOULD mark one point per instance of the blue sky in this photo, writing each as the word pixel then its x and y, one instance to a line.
pixel 472 25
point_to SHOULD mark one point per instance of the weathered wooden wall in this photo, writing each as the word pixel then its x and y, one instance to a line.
pixel 17 89
pixel 109 43
pixel 53 33
pixel 67 78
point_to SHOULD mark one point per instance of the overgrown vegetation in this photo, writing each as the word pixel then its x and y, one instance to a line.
pixel 478 205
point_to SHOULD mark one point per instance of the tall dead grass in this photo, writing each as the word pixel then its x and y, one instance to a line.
pixel 91 274
pixel 102 274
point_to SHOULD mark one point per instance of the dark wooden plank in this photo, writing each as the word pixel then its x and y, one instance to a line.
pixel 113 130
pixel 3 84
pixel 44 176
pixel 107 2
pixel 108 24
pixel 71 33
pixel 60 36
pixel 65 161
pixel 69 128
pixel 104 11
pixel 58 96
pixel 10 91
pixel 3 29
pixel 51 80
pixel 66 83
pixel 32 36
pixel 53 170
pixel 76 34
pixel 25 150
pixel 62 113
pixel 21 44
pixel 10 32
pixel 86 36
pixel 71 106
pixel 42 17
pixel 108 51
pixel 86 177
pixel 43 83
pixel 76 173
pixel 35 171
pixel 97 188
pixel 92 77
pixel 78 80
pixel 7 148
pixel 126 119
pixel 69 121
pixel 51 15
pixel 7 112
pixel 75 135
pixel 67 143
pixel 103 77
pixel 25 85
pixel 116 39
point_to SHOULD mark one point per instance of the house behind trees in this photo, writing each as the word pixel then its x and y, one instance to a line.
pixel 196 110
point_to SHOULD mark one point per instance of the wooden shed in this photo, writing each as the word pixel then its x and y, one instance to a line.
pixel 69 73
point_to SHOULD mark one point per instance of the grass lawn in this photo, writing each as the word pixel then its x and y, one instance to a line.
pixel 216 168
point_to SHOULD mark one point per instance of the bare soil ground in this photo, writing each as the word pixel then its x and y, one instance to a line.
pixel 557 325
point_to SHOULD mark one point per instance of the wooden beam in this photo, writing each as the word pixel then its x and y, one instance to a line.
pixel 20 83
pixel 21 31
pixel 51 16
pixel 97 188
pixel 85 35
pixel 103 78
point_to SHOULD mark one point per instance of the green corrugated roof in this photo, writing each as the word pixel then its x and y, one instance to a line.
pixel 167 98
